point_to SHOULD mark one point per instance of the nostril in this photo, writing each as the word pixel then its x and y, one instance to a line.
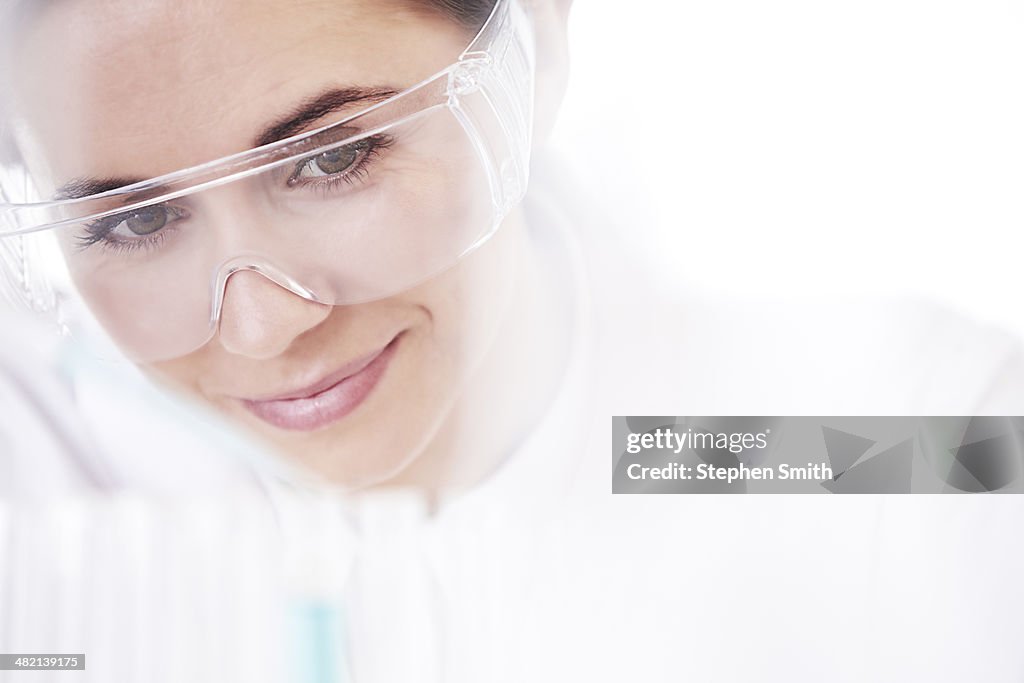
pixel 260 319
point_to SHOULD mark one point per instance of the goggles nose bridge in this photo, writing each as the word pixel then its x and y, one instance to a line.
pixel 259 266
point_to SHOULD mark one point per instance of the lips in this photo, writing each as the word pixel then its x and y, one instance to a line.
pixel 328 400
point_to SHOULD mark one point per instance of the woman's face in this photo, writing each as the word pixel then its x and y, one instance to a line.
pixel 129 89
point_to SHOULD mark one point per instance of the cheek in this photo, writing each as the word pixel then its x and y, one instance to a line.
pixel 469 302
pixel 182 374
pixel 426 202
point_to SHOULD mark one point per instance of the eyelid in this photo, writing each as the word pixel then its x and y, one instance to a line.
pixel 99 231
pixel 316 144
pixel 369 147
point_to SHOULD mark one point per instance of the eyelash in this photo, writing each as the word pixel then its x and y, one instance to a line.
pixel 99 231
pixel 375 145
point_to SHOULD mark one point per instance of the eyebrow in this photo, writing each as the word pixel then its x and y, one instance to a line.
pixel 81 188
pixel 309 111
pixel 315 108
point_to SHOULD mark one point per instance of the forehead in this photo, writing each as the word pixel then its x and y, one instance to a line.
pixel 162 84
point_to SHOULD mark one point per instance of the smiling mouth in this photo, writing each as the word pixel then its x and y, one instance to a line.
pixel 328 400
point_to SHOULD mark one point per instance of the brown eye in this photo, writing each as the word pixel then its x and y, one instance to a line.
pixel 124 231
pixel 338 163
pixel 337 160
pixel 344 163
pixel 148 220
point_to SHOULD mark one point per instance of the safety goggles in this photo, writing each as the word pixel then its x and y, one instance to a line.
pixel 352 212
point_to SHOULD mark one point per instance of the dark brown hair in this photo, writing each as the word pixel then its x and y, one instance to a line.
pixel 470 13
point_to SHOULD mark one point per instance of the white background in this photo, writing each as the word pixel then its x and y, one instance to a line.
pixel 806 147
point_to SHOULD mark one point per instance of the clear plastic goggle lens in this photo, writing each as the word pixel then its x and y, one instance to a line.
pixel 353 212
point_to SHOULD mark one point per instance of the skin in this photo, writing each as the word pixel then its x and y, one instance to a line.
pixel 195 81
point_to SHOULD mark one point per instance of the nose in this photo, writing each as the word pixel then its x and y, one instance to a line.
pixel 260 319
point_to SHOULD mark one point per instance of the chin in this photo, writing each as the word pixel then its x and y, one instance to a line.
pixel 374 456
